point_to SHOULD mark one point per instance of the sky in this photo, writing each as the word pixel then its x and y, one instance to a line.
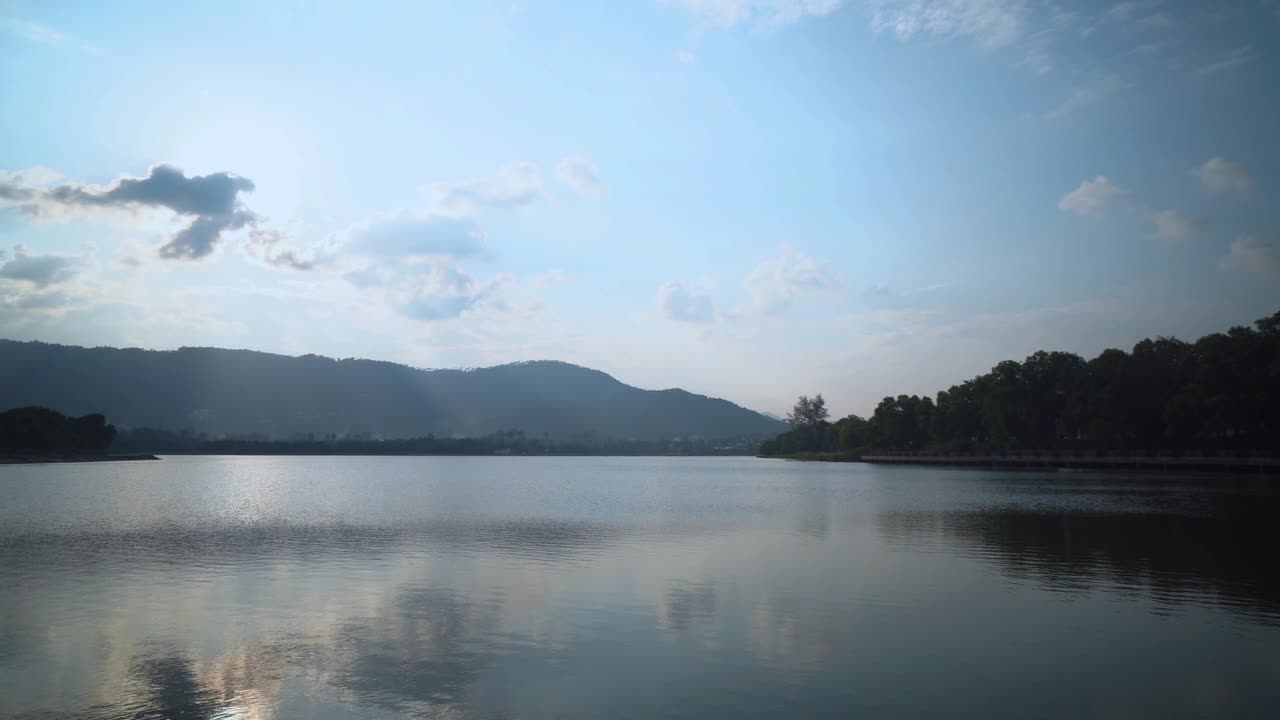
pixel 749 199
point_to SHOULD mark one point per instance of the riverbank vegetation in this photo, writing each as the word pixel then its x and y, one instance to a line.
pixel 38 432
pixel 1219 393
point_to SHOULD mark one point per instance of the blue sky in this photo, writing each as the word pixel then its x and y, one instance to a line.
pixel 745 198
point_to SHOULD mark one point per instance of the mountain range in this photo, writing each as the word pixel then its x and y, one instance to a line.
pixel 241 393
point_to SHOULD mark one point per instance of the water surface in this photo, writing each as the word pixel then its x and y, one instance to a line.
pixel 260 587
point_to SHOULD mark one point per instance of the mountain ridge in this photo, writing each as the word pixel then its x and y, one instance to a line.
pixel 240 392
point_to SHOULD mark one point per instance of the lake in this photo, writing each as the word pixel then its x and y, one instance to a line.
pixel 437 587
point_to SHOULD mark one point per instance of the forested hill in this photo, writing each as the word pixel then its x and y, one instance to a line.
pixel 242 393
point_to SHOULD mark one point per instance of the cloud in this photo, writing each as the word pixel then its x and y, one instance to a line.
pixel 408 234
pixel 444 292
pixel 1087 94
pixel 550 279
pixel 411 259
pixel 884 290
pixel 212 201
pixel 579 174
pixel 1092 197
pixel 1242 55
pixel 1250 255
pixel 990 23
pixel 762 13
pixel 1173 225
pixel 45 300
pixel 367 278
pixel 24 186
pixel 45 35
pixel 775 282
pixel 269 242
pixel 1220 175
pixel 39 270
pixel 517 184
pixel 681 303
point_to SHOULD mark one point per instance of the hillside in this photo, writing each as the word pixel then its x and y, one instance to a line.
pixel 241 392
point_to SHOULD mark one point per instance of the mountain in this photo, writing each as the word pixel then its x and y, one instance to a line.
pixel 242 392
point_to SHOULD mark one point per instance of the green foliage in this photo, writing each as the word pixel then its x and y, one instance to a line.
pixel 809 412
pixel 1220 393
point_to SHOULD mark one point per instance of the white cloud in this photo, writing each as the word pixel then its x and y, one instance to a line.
pixel 762 13
pixel 18 182
pixel 1250 255
pixel 45 35
pixel 1221 175
pixel 578 173
pixel 991 23
pixel 1242 55
pixel 550 278
pixel 516 184
pixel 1089 93
pixel 403 235
pixel 443 292
pixel 685 57
pixel 777 281
pixel 410 261
pixel 681 303
pixel 1173 225
pixel 1092 197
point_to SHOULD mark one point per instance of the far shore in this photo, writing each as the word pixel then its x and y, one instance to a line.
pixel 48 459
pixel 1148 463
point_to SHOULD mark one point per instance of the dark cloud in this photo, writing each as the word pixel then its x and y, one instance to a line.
pixel 198 238
pixel 213 195
pixel 12 191
pixel 213 201
pixel 39 270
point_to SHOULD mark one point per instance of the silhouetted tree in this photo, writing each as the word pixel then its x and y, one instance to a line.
pixel 41 431
pixel 1219 393
pixel 809 412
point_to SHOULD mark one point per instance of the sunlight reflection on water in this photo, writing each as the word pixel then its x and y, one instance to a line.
pixel 637 587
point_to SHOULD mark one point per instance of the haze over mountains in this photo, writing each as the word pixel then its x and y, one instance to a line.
pixel 242 392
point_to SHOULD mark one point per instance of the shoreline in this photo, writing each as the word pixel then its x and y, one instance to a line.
pixel 1234 465
pixel 52 459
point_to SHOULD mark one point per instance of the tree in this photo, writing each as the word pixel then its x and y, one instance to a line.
pixel 1220 393
pixel 809 412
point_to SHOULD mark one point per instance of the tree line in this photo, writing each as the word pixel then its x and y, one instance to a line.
pixel 41 432
pixel 1219 393
pixel 503 442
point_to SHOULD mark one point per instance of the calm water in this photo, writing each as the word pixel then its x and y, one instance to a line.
pixel 631 588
